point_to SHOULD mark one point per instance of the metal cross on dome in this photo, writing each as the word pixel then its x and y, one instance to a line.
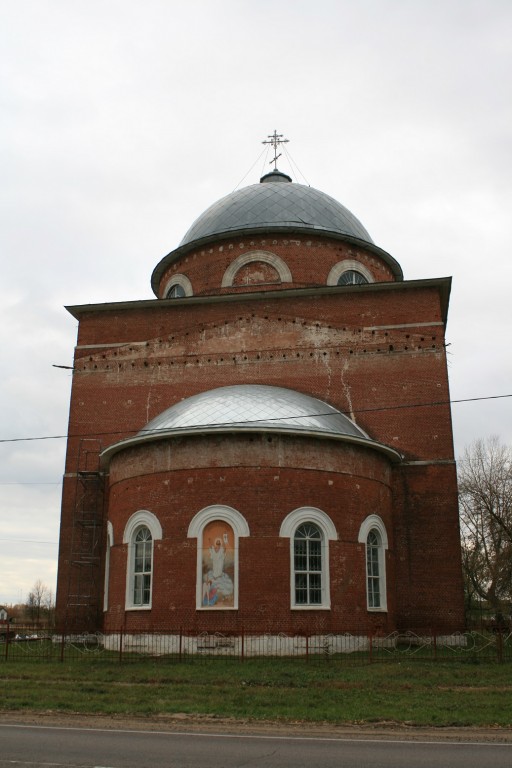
pixel 275 139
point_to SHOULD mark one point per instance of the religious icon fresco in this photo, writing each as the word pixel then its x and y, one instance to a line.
pixel 218 566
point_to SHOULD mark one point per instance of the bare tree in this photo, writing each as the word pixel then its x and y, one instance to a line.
pixel 39 602
pixel 485 503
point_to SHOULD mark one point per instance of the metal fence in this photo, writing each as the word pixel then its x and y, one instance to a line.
pixel 176 646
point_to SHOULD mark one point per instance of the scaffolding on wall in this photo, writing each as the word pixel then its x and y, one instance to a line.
pixel 85 587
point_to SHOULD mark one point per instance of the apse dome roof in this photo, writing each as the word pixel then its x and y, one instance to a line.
pixel 250 408
pixel 254 405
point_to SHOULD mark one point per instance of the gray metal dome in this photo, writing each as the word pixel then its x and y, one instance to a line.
pixel 253 405
pixel 273 205
pixel 251 408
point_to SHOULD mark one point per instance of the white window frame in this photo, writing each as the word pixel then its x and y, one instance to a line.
pixel 178 279
pixel 323 522
pixel 348 265
pixel 141 519
pixel 266 257
pixel 198 523
pixel 109 543
pixel 374 522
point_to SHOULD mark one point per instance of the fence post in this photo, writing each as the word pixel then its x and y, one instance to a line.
pixel 435 646
pixel 7 641
pixel 370 648
pixel 499 645
pixel 180 648
pixel 307 647
pixel 120 646
pixel 62 641
pixel 243 645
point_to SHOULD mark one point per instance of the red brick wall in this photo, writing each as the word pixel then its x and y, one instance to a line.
pixel 340 346
pixel 428 559
pixel 310 260
pixel 376 352
pixel 264 479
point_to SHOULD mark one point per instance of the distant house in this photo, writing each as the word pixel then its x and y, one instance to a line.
pixel 3 615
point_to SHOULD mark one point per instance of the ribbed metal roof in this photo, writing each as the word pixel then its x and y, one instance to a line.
pixel 251 408
pixel 273 205
pixel 253 405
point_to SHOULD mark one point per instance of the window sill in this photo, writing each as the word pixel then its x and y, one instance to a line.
pixel 137 608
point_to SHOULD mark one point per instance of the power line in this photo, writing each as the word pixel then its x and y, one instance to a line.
pixel 30 541
pixel 54 482
pixel 265 149
pixel 403 406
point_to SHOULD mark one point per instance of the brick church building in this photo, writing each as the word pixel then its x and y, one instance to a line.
pixel 266 444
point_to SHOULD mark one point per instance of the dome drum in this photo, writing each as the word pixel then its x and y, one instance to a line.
pixel 233 263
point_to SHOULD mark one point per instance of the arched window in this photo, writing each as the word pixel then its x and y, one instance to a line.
pixel 373 534
pixel 282 270
pixel 307 565
pixel 349 272
pixel 309 531
pixel 142 566
pixel 373 568
pixel 176 291
pixel 177 287
pixel 109 544
pixel 352 277
pixel 218 529
pixel 141 531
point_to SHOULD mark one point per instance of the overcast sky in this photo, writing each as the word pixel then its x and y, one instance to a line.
pixel 121 121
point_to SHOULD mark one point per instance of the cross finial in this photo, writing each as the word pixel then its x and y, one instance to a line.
pixel 275 139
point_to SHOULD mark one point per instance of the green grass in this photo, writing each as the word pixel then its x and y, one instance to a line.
pixel 417 693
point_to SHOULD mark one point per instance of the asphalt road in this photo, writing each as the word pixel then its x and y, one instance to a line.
pixel 34 746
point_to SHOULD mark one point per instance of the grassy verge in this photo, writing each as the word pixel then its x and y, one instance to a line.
pixel 416 693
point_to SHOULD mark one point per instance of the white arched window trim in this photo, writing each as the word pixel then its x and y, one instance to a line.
pixel 142 518
pixel 375 523
pixel 178 279
pixel 324 523
pixel 195 531
pixel 266 257
pixel 108 547
pixel 345 266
